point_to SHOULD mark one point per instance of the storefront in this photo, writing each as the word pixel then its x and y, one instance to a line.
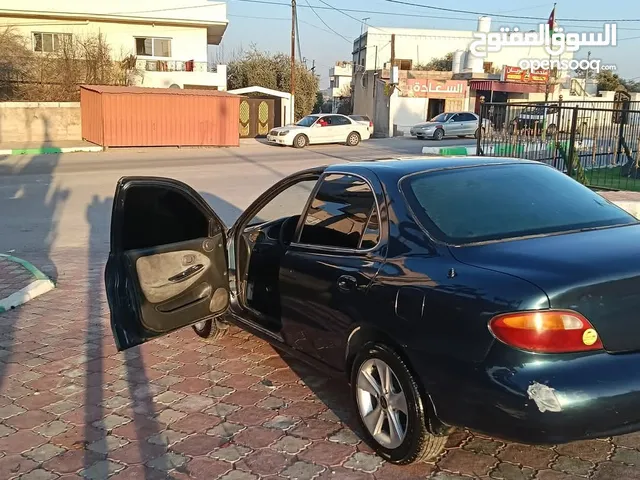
pixel 420 99
pixel 515 85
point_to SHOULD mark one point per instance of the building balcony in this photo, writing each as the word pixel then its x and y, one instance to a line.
pixel 180 74
pixel 341 70
pixel 159 65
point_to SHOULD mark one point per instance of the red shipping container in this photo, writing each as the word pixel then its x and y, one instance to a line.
pixel 153 117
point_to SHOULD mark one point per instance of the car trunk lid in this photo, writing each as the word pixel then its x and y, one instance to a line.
pixel 596 273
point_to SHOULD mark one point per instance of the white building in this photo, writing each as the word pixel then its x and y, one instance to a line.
pixel 417 47
pixel 340 80
pixel 420 94
pixel 169 42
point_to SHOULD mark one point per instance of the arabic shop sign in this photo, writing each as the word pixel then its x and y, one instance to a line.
pixel 425 88
pixel 555 42
pixel 522 75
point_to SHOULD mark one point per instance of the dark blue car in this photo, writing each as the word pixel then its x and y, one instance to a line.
pixel 494 294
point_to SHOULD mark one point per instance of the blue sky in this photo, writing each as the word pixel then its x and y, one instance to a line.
pixel 268 26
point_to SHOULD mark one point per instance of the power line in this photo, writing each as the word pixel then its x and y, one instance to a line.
pixel 348 15
pixel 281 19
pixel 468 12
pixel 352 10
pixel 398 14
pixel 325 23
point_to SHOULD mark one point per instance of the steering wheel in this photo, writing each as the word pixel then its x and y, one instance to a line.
pixel 288 229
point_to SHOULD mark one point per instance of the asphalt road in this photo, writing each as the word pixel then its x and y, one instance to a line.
pixel 53 202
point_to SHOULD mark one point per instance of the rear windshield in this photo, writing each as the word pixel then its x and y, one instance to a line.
pixel 443 117
pixel 360 118
pixel 479 204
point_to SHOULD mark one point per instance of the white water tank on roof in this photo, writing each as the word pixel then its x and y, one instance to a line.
pixel 484 24
pixel 474 64
pixel 457 63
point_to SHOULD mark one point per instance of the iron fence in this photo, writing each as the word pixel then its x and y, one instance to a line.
pixel 595 142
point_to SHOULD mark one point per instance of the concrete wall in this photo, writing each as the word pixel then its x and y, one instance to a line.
pixel 382 110
pixel 362 96
pixel 39 122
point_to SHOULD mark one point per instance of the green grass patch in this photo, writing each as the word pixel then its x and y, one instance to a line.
pixel 611 178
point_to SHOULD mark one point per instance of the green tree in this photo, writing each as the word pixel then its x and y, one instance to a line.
pixel 317 108
pixel 273 71
pixel 444 64
pixel 608 81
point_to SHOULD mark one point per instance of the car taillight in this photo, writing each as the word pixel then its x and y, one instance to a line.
pixel 370 124
pixel 548 331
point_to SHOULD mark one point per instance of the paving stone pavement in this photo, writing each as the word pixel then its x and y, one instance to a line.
pixel 13 277
pixel 72 407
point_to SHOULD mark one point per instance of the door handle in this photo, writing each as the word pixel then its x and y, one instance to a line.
pixel 347 283
pixel 185 274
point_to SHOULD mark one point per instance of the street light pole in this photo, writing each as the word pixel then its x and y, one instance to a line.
pixel 360 39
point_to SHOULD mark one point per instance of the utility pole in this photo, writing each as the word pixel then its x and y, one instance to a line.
pixel 586 76
pixel 293 57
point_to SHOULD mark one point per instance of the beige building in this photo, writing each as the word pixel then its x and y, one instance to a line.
pixel 171 44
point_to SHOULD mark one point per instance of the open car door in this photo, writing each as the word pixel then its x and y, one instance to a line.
pixel 167 266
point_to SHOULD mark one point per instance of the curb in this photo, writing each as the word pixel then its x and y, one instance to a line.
pixel 449 151
pixel 41 285
pixel 48 150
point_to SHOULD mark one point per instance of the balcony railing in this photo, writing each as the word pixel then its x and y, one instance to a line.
pixel 174 66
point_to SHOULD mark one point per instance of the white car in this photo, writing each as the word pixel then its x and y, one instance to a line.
pixel 365 120
pixel 320 128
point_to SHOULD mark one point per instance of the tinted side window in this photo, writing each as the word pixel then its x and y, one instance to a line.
pixel 155 215
pixel 336 120
pixel 287 203
pixel 339 213
pixel 456 118
pixel 467 117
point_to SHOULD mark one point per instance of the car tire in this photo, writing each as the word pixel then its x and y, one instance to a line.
pixel 477 132
pixel 300 141
pixel 353 140
pixel 416 443
pixel 438 134
pixel 211 329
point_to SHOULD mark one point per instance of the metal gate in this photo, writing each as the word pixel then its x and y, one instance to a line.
pixel 256 117
pixel 596 142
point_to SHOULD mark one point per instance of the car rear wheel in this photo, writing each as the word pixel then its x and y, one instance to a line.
pixel 390 409
pixel 300 141
pixel 477 132
pixel 438 134
pixel 211 329
pixel 353 139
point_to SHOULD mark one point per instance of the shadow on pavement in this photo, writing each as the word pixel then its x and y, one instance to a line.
pixel 31 205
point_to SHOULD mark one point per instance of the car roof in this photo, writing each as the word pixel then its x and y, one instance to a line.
pixel 393 169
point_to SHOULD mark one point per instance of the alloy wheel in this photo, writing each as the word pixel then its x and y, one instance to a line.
pixel 382 404
pixel 200 325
